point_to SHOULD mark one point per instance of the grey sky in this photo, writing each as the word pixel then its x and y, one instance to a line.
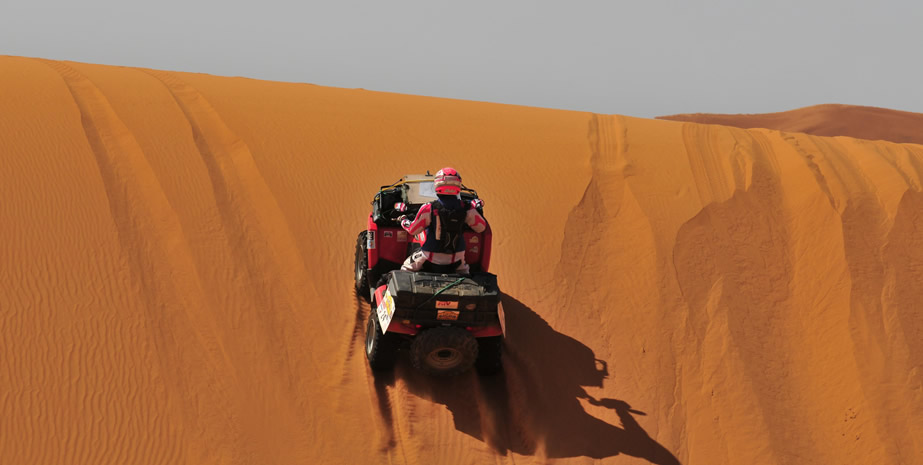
pixel 639 58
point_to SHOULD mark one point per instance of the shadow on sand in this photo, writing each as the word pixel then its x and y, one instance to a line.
pixel 532 407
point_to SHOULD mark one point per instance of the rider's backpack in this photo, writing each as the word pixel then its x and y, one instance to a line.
pixel 447 228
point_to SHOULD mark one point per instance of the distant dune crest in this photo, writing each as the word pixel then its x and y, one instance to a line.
pixel 861 122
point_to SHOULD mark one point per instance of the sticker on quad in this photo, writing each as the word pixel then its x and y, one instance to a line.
pixel 385 311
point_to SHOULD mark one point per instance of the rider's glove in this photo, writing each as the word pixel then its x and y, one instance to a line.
pixel 477 203
pixel 400 206
pixel 405 223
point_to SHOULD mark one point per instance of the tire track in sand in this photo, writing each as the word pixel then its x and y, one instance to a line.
pixel 358 334
pixel 156 250
pixel 264 249
pixel 601 202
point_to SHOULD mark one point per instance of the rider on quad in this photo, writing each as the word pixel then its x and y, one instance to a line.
pixel 444 306
pixel 441 224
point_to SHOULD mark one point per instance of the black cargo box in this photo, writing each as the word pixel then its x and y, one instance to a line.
pixel 474 297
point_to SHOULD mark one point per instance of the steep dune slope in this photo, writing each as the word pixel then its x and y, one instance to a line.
pixel 826 120
pixel 177 255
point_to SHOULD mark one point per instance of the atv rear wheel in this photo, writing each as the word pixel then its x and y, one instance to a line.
pixel 445 351
pixel 362 267
pixel 490 350
pixel 380 348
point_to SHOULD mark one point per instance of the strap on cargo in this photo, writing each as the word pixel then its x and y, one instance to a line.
pixel 440 291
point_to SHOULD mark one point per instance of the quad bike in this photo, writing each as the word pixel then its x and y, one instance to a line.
pixel 447 322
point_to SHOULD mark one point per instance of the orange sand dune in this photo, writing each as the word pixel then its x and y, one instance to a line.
pixel 177 255
pixel 826 120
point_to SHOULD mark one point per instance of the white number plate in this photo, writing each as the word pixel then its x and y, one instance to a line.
pixel 385 311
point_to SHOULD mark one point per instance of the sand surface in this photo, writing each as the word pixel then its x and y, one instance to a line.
pixel 176 260
pixel 826 120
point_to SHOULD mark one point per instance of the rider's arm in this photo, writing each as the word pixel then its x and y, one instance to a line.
pixel 476 221
pixel 419 223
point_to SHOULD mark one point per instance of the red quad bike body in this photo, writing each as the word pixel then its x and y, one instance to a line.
pixel 449 322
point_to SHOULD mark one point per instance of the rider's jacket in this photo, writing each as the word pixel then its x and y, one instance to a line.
pixel 440 225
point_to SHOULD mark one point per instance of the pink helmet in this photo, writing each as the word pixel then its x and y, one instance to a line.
pixel 448 181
